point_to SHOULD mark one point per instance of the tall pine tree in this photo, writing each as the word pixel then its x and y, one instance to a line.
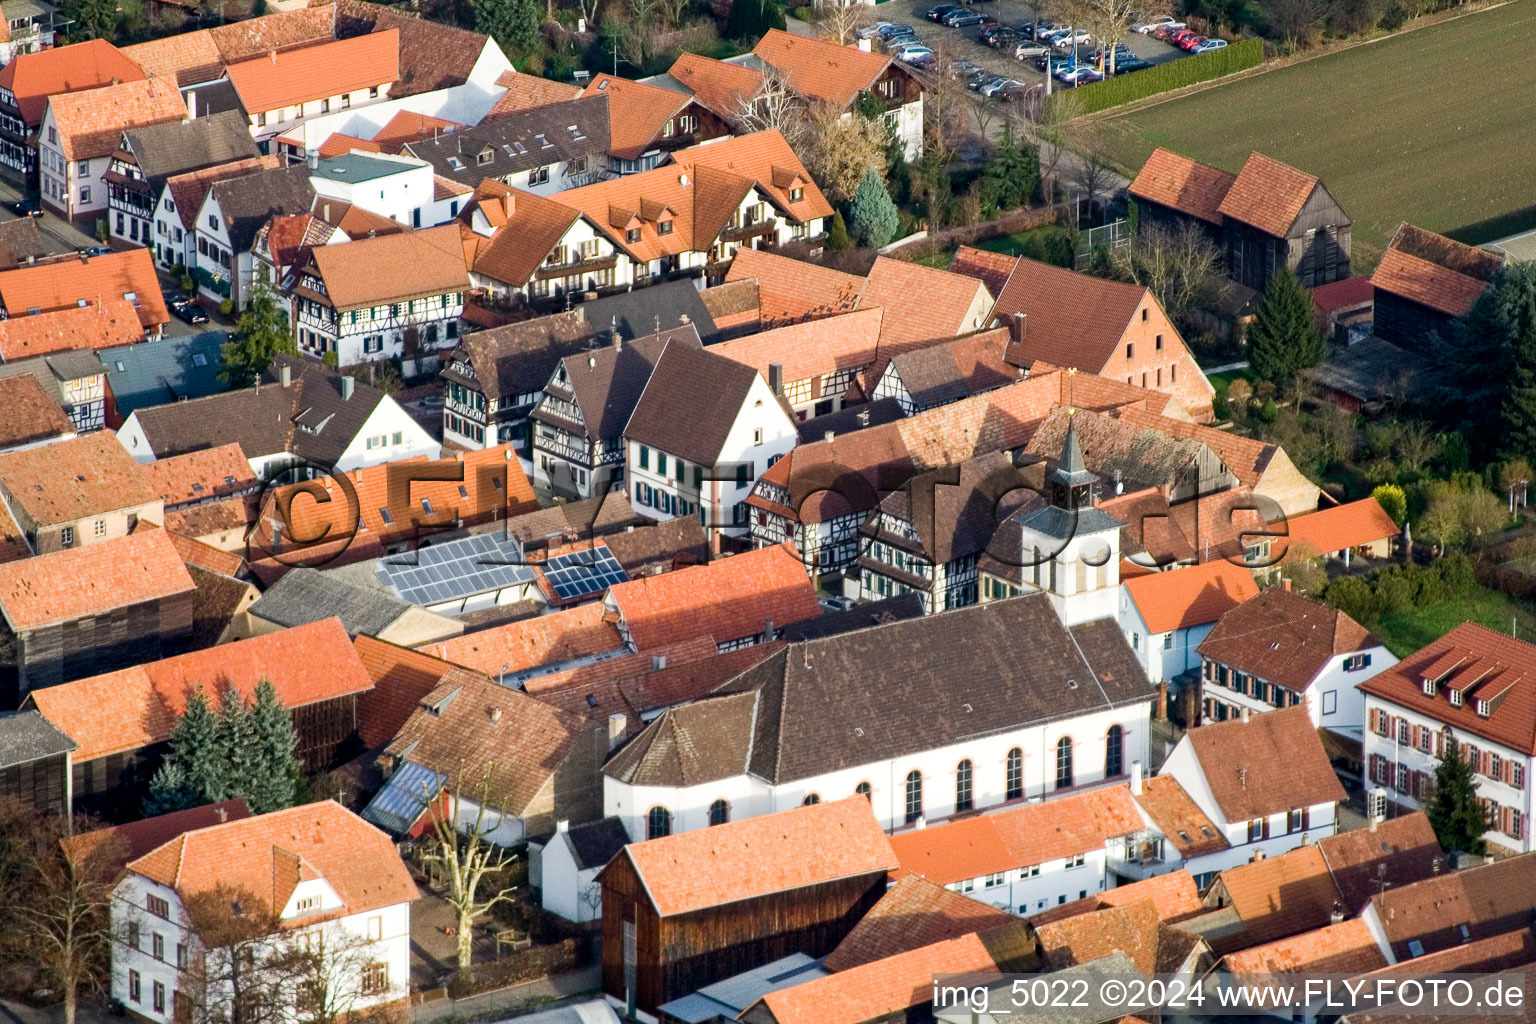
pixel 278 782
pixel 1518 413
pixel 1283 339
pixel 237 737
pixel 197 750
pixel 872 215
pixel 1454 814
pixel 1475 372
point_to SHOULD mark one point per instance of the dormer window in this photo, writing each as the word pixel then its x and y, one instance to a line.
pixel 485 156
pixel 307 905
pixel 1455 696
pixel 664 227
pixel 796 195
pixel 1429 687
pixel 1484 709
pixel 632 235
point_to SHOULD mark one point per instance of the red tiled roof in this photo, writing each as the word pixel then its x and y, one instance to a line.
pixel 1344 948
pixel 136 707
pixel 637 110
pixel 1017 836
pixel 924 304
pixel 1176 181
pixel 1074 319
pixel 1284 638
pixel 791 290
pixel 1426 283
pixel 723 87
pixel 1179 818
pixel 525 92
pixel 289 77
pixel 1278 896
pixel 91 123
pixel 1478 663
pixel 1268 194
pixel 913 913
pixel 33 77
pixel 392 268
pixel 91 580
pixel 990 268
pixel 820 70
pixel 74 479
pixel 190 189
pixel 813 348
pixel 401 678
pixel 770 853
pixel 200 475
pixel 728 599
pixel 1352 291
pixel 325 840
pixel 1270 763
pixel 1134 930
pixel 205 556
pixel 108 324
pixel 1339 528
pixel 113 276
pixel 1180 598
pixel 542 640
pixel 134 839
pixel 28 413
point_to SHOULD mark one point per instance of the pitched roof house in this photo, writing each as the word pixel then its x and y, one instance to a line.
pixel 1280 649
pixel 30 79
pixel 1135 930
pixel 31 416
pixel 1266 217
pixel 648 121
pixel 34 762
pixel 348 72
pixel 1437 914
pixel 78 492
pixel 82 610
pixel 81 130
pixel 107 324
pixel 56 285
pixel 1167 614
pixel 1424 282
pixel 545 149
pixel 231 213
pixel 1265 782
pixel 120 719
pixel 1105 327
pixel 1476 686
pixel 914 912
pixel 683 911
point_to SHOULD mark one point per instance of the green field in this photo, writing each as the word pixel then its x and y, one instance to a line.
pixel 1405 632
pixel 1432 126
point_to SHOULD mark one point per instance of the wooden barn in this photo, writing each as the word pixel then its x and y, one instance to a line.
pixel 684 911
pixel 1267 216
pixel 1424 282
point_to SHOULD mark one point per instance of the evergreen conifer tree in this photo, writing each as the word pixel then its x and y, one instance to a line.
pixel 168 791
pixel 875 219
pixel 837 234
pixel 1454 814
pixel 1283 338
pixel 276 784
pixel 1516 322
pixel 197 750
pixel 238 742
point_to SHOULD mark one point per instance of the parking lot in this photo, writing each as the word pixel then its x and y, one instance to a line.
pixel 956 43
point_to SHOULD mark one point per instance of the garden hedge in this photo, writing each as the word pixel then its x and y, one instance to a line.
pixel 1176 74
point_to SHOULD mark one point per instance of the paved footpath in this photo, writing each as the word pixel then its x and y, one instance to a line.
pixel 502 1003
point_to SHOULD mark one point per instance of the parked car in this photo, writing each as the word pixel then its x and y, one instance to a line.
pixel 1164 31
pixel 1125 65
pixel 93 250
pixel 999 86
pixel 1033 30
pixel 938 13
pixel 1050 62
pixel 1209 45
pixel 188 312
pixel 870 31
pixel 1072 39
pixel 23 208
pixel 1078 75
pixel 1156 22
pixel 1188 43
pixel 913 54
pixel 983 80
pixel 1177 37
pixel 1100 55
pixel 1028 50
pixel 962 18
pixel 999 37
pixel 893 28
pixel 908 38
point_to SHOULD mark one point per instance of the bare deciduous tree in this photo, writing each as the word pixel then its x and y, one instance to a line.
pixel 1091 174
pixel 240 974
pixel 1296 20
pixel 1110 22
pixel 461 847
pixel 839 148
pixel 773 106
pixel 1182 267
pixel 839 21
pixel 1051 134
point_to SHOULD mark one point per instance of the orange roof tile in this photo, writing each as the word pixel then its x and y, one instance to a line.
pixel 525 92
pixel 1279 896
pixel 60 285
pixel 529 643
pixel 722 87
pixel 914 912
pixel 758 856
pixel 1074 319
pixel 1174 894
pixel 392 268
pixel 767 159
pixel 813 348
pixel 891 988
pixel 728 599
pixel 91 580
pixel 820 70
pixel 197 554
pixel 409 126
pixel 190 189
pixel 1193 596
pixel 1339 528
pixel 74 479
pixel 189 57
pixel 1268 194
pixel 33 77
pixel 289 77
pixel 1270 763
pixel 537 225
pixel 990 268
pixel 200 475
pixel 638 112
pixel 1133 929
pixel 1179 818
pixel 1018 836
pixel 1426 283
pixel 1285 638
pixel 111 323
pixel 136 707
pixel 323 840
pixel 27 414
pixel 924 304
pixel 1177 182
pixel 1246 457
pixel 401 678
pixel 91 123
pixel 792 290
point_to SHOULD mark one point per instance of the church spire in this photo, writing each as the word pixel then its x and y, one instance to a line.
pixel 1071 482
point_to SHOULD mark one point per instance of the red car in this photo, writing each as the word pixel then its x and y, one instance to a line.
pixel 1190 42
pixel 1177 38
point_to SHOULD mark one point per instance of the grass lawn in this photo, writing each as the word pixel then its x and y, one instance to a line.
pixel 1018 243
pixel 1219 381
pixel 1431 126
pixel 1405 632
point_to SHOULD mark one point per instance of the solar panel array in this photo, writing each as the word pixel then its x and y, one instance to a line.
pixel 455 569
pixel 588 571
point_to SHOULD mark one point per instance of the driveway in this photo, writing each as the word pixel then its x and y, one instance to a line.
pixel 59 234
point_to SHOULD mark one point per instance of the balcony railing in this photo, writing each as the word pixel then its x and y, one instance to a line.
pixel 769 225
pixel 551 271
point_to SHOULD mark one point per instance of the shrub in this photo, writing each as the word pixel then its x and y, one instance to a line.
pixel 1353 596
pixel 1268 412
pixel 1220 409
pixel 1394 592
pixel 227 307
pixel 805 14
pixel 188 283
pixel 1393 501
pixel 837 234
pixel 1458 574
pixel 1201 67
pixel 1392 18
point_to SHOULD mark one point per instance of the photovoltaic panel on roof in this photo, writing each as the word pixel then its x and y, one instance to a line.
pixel 588 571
pixel 397 806
pixel 455 569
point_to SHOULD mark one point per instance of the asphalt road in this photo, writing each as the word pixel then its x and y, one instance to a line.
pixel 962 42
